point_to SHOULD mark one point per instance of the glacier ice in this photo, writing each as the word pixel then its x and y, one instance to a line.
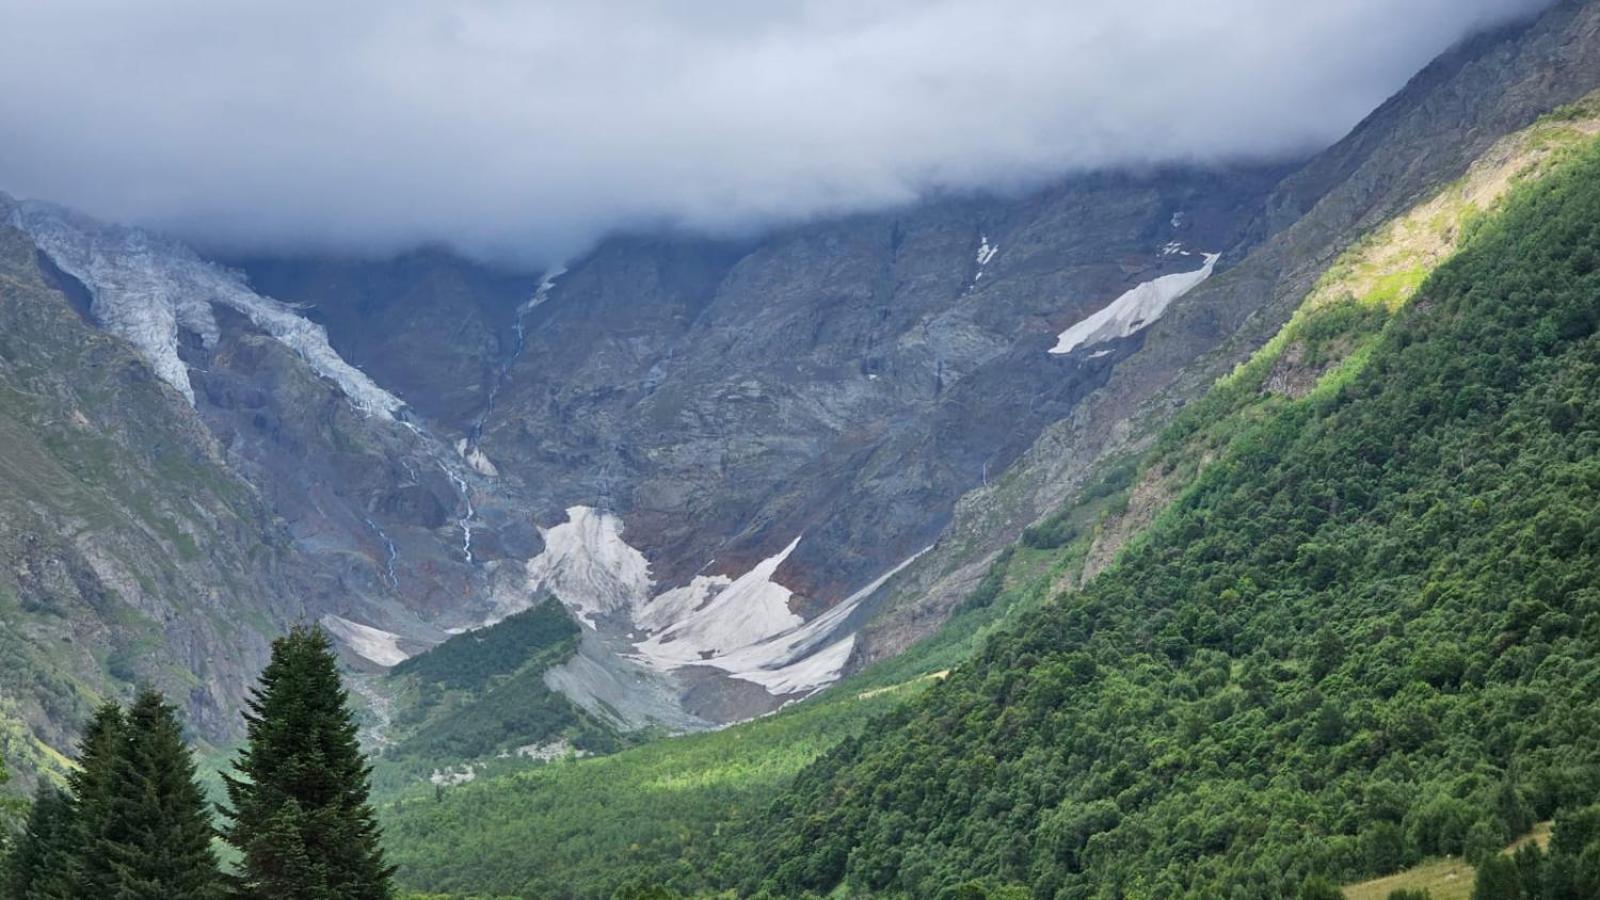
pixel 146 288
pixel 786 654
pixel 742 626
pixel 751 609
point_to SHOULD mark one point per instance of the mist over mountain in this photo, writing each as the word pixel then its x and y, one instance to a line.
pixel 527 131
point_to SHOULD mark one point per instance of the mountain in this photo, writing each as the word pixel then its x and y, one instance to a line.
pixel 1449 115
pixel 711 453
pixel 727 446
pixel 1347 277
pixel 249 478
pixel 133 551
pixel 1359 634
pixel 682 481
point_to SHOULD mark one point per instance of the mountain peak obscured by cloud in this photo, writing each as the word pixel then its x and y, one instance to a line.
pixel 527 130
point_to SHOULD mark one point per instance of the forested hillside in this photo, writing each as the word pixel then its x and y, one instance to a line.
pixel 482 693
pixel 1364 633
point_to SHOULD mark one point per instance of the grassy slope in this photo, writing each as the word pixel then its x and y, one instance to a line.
pixel 1443 879
pixel 672 799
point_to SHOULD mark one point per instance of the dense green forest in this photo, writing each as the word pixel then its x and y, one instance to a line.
pixel 482 692
pixel 1366 634
pixel 1568 870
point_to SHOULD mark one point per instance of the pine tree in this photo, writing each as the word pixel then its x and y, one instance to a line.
pixel 43 864
pixel 91 786
pixel 156 836
pixel 298 795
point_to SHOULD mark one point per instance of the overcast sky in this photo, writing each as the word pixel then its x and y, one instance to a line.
pixel 529 129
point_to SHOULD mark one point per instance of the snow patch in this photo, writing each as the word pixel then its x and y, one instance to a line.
pixel 801 658
pixel 145 289
pixel 986 250
pixel 810 674
pixel 589 567
pixel 751 609
pixel 382 647
pixel 679 603
pixel 1134 310
pixel 476 458
pixel 540 295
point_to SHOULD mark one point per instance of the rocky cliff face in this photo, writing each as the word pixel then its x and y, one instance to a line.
pixel 745 466
pixel 722 444
pixel 130 551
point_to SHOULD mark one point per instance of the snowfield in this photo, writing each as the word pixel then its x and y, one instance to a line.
pixel 589 567
pixel 750 610
pixel 1134 310
pixel 742 625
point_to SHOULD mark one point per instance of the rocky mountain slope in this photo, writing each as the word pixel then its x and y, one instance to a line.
pixel 727 447
pixel 132 550
pixel 739 464
pixel 619 437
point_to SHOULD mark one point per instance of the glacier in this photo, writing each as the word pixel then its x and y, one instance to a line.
pixel 145 288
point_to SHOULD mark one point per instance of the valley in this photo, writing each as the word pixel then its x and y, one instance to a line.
pixel 1212 524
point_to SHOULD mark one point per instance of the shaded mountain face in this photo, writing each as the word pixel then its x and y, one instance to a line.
pixel 711 452
pixel 722 444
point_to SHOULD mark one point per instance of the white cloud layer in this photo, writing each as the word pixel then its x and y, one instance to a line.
pixel 529 129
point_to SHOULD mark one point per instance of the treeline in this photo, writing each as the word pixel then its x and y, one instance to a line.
pixel 133 823
pixel 1368 634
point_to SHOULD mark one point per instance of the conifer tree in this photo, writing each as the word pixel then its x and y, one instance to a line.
pixel 298 794
pixel 91 786
pixel 155 840
pixel 43 864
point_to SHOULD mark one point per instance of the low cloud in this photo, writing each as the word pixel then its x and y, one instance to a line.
pixel 527 130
